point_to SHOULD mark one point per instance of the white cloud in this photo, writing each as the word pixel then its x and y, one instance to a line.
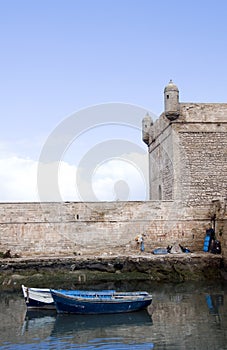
pixel 119 179
pixel 116 179
pixel 67 182
pixel 17 179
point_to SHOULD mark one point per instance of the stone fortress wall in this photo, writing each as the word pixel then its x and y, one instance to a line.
pixel 47 229
pixel 187 148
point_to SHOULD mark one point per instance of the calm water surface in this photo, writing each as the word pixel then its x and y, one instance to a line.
pixel 183 316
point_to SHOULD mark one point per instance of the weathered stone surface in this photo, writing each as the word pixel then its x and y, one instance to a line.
pixel 172 268
pixel 188 158
pixel 49 229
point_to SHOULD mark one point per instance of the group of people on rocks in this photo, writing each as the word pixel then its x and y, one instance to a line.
pixel 213 245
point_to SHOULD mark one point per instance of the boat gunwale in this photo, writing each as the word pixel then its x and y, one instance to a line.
pixel 111 299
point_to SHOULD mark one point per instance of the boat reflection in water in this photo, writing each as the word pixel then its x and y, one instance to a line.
pixel 71 323
pixel 41 320
pixel 115 330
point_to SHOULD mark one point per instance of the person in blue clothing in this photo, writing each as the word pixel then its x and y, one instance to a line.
pixel 210 233
pixel 142 245
pixel 140 241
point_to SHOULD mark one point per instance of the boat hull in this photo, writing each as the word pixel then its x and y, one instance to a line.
pixel 108 305
pixel 37 298
pixel 35 304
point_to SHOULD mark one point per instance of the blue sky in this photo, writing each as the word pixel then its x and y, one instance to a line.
pixel 59 57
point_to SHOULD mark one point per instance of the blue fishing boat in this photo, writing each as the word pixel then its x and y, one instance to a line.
pixel 41 298
pixel 100 302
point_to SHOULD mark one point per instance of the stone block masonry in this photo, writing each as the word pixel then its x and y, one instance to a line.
pixel 187 148
pixel 188 156
pixel 47 229
pixel 206 154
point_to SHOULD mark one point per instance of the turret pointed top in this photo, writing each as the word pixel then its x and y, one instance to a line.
pixel 171 86
pixel 148 119
pixel 147 115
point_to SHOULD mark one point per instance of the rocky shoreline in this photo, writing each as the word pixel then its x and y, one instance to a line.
pixel 84 269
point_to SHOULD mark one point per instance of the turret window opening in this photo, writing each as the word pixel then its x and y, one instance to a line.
pixel 159 192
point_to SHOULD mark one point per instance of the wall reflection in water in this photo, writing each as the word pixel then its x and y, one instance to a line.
pixel 183 317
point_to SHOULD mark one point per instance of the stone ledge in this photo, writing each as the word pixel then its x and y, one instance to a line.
pixel 168 267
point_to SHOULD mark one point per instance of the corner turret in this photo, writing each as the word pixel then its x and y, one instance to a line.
pixel 146 128
pixel 171 100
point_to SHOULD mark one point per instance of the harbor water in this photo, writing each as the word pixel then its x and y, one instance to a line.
pixel 182 316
